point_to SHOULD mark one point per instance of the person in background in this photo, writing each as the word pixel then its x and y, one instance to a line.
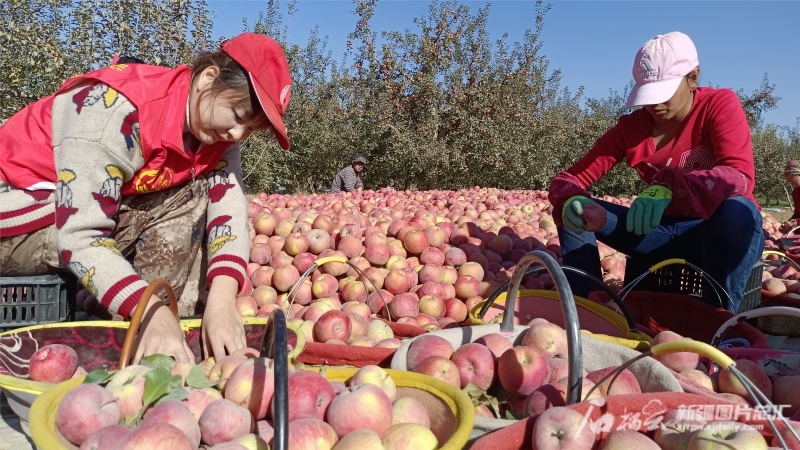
pixel 349 178
pixel 120 174
pixel 792 174
pixel 691 147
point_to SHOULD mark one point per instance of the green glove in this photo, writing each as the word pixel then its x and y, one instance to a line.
pixel 646 211
pixel 571 213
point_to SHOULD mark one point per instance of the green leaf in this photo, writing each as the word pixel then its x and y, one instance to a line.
pixel 175 394
pixel 157 384
pixel 510 416
pixel 97 376
pixel 197 378
pixel 158 360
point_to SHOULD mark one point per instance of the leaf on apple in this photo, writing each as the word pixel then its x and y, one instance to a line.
pixel 158 360
pixel 197 378
pixel 97 376
pixel 158 383
pixel 179 393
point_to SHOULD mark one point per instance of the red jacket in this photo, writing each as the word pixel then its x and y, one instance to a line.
pixel 159 95
pixel 709 160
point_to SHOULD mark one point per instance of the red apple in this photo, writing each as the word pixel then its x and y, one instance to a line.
pixel 365 406
pixel 561 428
pixel 53 363
pixel 425 346
pixel 475 364
pixel 522 369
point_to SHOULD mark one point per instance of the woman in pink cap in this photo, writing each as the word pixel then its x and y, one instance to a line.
pixel 691 146
pixel 120 174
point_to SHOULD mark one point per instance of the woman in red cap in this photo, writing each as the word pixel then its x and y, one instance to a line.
pixel 691 146
pixel 120 174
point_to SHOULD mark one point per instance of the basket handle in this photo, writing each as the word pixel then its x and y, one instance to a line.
pixel 571 324
pixel 136 320
pixel 781 255
pixel 752 314
pixel 275 346
pixel 789 233
pixel 711 281
pixel 626 313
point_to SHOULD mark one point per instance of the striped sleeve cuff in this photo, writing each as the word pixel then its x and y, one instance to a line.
pixel 124 295
pixel 232 266
pixel 27 220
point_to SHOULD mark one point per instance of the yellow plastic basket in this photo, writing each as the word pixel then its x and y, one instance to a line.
pixel 451 411
pixel 21 392
pixel 602 322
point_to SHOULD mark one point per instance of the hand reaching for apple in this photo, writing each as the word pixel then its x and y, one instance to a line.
pixel 162 334
pixel 582 214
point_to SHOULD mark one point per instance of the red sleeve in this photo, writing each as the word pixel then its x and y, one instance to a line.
pixel 607 152
pixel 699 193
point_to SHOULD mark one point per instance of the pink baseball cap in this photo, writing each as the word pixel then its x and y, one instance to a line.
pixel 659 67
pixel 263 59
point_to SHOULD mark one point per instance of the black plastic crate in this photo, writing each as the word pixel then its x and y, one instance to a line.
pixel 35 300
pixel 682 279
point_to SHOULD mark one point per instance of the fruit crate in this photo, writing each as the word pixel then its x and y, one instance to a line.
pixel 38 299
pixel 682 279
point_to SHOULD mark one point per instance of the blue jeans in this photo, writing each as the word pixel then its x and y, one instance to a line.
pixel 726 246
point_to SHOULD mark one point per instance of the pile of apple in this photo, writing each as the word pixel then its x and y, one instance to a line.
pixel 424 258
pixel 227 404
pixel 531 377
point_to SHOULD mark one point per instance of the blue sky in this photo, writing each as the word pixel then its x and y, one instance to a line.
pixel 593 42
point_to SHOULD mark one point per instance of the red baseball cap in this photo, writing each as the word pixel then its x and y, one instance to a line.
pixel 263 59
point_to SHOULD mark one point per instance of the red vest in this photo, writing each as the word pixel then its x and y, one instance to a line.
pixel 159 94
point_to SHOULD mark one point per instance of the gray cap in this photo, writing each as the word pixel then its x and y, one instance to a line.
pixel 360 159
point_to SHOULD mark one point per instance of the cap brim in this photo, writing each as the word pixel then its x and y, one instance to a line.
pixel 653 93
pixel 272 114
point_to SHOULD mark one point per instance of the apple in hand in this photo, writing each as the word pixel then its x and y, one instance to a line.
pixel 53 363
pixel 594 217
pixel 561 428
pixel 727 435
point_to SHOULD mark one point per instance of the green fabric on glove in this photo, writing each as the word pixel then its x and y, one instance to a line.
pixel 646 211
pixel 572 211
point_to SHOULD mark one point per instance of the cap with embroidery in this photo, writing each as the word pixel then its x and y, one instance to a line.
pixel 659 67
pixel 263 59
